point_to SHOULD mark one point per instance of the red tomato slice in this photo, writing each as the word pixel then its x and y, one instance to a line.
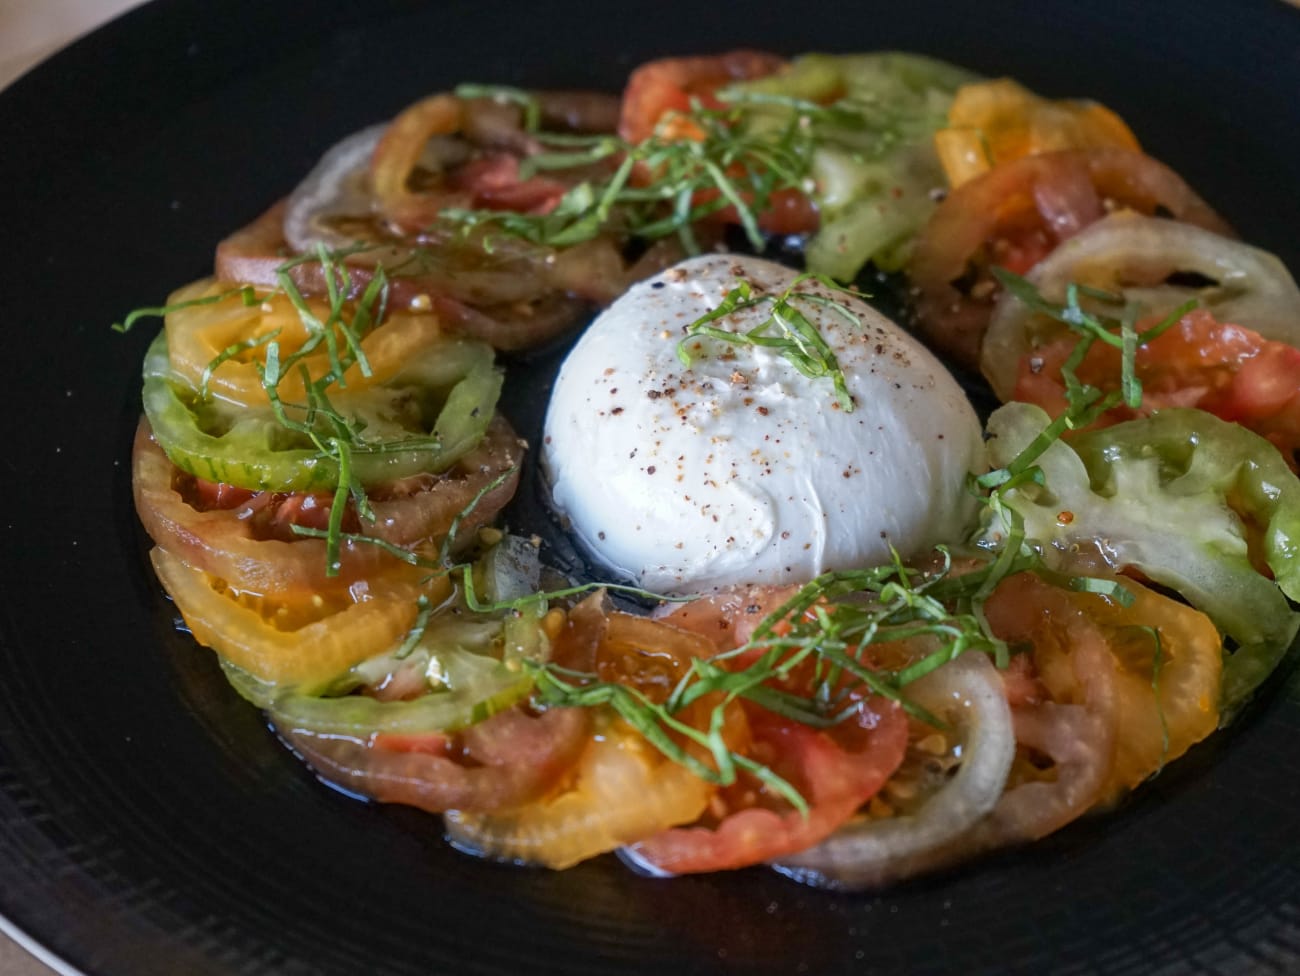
pixel 501 763
pixel 1227 370
pixel 668 85
pixel 245 539
pixel 835 771
pixel 1014 215
pixel 621 789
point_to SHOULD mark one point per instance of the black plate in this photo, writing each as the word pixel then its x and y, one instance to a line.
pixel 149 824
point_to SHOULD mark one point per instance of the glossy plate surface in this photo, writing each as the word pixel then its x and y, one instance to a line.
pixel 149 824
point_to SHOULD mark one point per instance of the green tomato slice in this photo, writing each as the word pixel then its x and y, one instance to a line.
pixel 1192 502
pixel 476 687
pixel 473 667
pixel 875 166
pixel 425 418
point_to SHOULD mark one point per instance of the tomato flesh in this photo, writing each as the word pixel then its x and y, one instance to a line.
pixel 1225 369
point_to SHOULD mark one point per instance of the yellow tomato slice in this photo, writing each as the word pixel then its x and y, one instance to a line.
pixel 1166 691
pixel 623 790
pixel 198 334
pixel 991 122
pixel 302 645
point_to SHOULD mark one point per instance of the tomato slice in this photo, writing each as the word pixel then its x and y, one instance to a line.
pixel 835 771
pixel 669 85
pixel 244 537
pixel 951 778
pixel 1014 215
pixel 498 764
pixel 1227 370
pixel 1156 265
pixel 1163 693
pixel 198 335
pixel 290 644
pixel 659 96
pixel 424 419
pixel 220 538
pixel 992 122
pixel 621 791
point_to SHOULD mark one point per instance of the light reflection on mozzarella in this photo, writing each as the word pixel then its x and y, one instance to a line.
pixel 740 469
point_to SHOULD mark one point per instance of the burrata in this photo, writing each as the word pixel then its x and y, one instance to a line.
pixel 739 468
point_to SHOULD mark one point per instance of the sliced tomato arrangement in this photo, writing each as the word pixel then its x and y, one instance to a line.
pixel 321 465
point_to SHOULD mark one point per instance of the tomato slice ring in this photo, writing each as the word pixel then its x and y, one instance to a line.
pixel 1014 215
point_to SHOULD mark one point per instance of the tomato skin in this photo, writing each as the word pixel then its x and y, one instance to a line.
pixel 1225 369
pixel 1013 216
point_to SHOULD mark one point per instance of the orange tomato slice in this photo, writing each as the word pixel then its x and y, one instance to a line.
pixel 199 334
pixel 991 122
pixel 1165 692
pixel 302 645
pixel 622 791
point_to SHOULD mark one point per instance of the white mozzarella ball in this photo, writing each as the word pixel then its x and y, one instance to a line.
pixel 739 468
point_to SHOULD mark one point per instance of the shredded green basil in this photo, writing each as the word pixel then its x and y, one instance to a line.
pixel 798 340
